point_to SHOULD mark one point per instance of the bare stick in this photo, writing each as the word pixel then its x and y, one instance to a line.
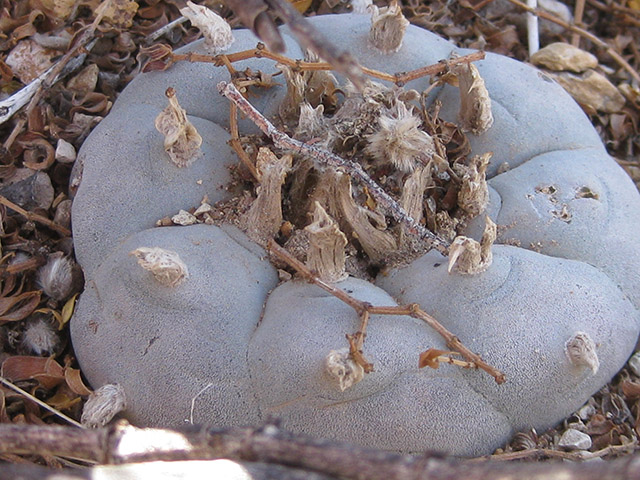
pixel 282 140
pixel 400 78
pixel 577 20
pixel 412 310
pixel 27 395
pixel 35 217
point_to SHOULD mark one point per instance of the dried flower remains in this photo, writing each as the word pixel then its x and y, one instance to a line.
pixel 216 31
pixel 181 139
pixel 166 266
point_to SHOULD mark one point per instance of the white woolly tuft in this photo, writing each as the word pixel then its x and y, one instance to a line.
pixel 40 337
pixel 56 277
pixel 400 140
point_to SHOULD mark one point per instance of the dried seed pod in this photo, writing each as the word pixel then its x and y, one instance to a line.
pixel 470 257
pixel 475 104
pixel 262 222
pixel 166 266
pixel 388 27
pixel 473 195
pixel 343 368
pixel 400 140
pixel 55 278
pixel 581 351
pixel 181 139
pixel 326 256
pixel 40 336
pixel 102 405
pixel 216 31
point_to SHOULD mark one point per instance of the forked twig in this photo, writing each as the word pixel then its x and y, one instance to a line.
pixel 282 140
pixel 400 78
pixel 412 310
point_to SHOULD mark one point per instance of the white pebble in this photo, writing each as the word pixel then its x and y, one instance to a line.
pixel 65 153
pixel 574 440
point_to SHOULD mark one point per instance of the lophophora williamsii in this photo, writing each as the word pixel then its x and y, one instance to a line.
pixel 549 299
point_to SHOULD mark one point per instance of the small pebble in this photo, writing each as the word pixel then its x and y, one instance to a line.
pixel 65 152
pixel 634 363
pixel 574 440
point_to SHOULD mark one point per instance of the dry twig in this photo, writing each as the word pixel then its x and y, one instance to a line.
pixel 364 309
pixel 34 217
pixel 282 140
pixel 400 78
pixel 125 444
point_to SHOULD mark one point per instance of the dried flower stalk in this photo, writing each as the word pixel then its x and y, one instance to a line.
pixel 326 254
pixel 475 104
pixel 374 241
pixel 264 218
pixel 468 257
pixel 181 139
pixel 473 196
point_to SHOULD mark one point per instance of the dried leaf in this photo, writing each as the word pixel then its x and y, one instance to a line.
pixel 45 370
pixel 301 5
pixel 119 13
pixel 63 400
pixel 429 356
pixel 29 60
pixel 475 104
pixel 67 311
pixel 216 31
pixel 39 154
pixel 631 389
pixel 181 139
pixel 19 307
pixel 73 378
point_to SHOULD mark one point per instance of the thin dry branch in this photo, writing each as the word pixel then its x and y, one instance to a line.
pixel 354 170
pixel 412 310
pixel 124 444
pixel 400 78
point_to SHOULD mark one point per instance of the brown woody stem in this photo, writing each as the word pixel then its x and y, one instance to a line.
pixel 412 310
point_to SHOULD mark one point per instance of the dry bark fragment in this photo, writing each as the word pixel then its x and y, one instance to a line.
pixel 181 139
pixel 326 255
pixel 475 104
pixel 264 218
